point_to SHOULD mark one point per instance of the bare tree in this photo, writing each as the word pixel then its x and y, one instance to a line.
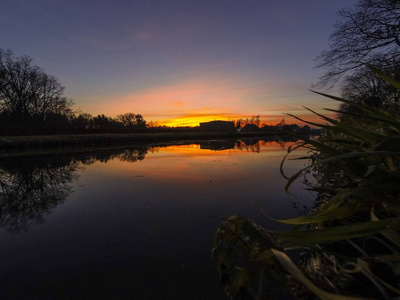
pixel 131 120
pixel 368 33
pixel 365 87
pixel 257 120
pixel 18 82
pixel 26 90
pixel 127 119
pixel 83 121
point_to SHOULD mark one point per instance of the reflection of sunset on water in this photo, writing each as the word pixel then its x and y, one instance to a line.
pixel 146 207
pixel 239 145
pixel 193 164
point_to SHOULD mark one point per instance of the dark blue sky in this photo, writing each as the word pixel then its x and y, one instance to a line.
pixel 180 60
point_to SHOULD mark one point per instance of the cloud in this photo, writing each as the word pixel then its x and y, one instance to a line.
pixel 178 104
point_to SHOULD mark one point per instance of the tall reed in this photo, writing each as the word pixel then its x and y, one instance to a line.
pixel 350 243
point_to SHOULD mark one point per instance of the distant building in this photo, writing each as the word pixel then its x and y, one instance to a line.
pixel 250 128
pixel 218 126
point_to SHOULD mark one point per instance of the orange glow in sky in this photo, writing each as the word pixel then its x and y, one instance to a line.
pixel 193 120
pixel 190 102
pixel 179 63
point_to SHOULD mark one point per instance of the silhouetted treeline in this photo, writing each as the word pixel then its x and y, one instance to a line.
pixel 254 120
pixel 33 102
pixel 254 124
pixel 61 123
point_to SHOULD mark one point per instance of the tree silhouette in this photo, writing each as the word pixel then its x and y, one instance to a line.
pixel 29 192
pixel 367 33
pixel 82 122
pixel 130 120
pixel 365 87
pixel 26 91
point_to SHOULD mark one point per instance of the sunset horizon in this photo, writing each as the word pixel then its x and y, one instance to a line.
pixel 200 149
pixel 179 63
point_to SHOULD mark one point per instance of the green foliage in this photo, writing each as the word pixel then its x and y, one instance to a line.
pixel 350 243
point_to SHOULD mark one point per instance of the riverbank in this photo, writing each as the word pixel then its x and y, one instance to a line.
pixel 28 143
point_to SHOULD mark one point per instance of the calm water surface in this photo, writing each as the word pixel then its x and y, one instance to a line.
pixel 132 223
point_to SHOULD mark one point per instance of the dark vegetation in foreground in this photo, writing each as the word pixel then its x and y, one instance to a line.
pixel 350 243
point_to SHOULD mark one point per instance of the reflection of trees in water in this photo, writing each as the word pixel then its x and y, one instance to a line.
pixel 131 156
pixel 248 145
pixel 282 144
pixel 217 144
pixel 29 192
pixel 254 144
pixel 31 187
pixel 128 155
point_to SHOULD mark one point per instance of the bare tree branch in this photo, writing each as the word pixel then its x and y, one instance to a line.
pixel 26 90
pixel 367 33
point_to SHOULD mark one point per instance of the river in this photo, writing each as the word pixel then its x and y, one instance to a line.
pixel 133 223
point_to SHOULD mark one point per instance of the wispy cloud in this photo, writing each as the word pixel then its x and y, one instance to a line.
pixel 191 95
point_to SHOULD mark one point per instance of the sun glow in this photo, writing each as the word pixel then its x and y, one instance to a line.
pixel 187 103
pixel 193 121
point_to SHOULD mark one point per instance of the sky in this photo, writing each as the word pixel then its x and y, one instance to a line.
pixel 178 62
